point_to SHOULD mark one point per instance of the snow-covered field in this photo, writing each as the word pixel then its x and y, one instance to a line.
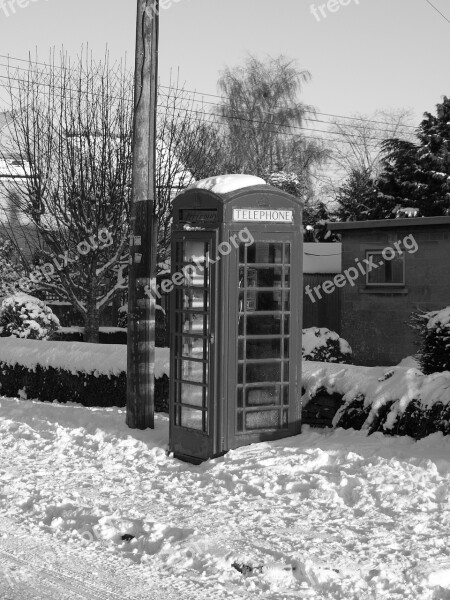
pixel 327 514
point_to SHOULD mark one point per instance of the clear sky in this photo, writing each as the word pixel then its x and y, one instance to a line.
pixel 368 55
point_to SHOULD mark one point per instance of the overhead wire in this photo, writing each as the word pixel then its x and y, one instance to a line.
pixel 200 93
pixel 346 136
pixel 437 10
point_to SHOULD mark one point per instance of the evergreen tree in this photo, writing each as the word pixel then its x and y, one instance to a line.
pixel 434 162
pixel 357 198
pixel 414 176
pixel 418 175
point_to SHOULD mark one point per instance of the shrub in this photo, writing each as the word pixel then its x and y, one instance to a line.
pixel 433 330
pixel 48 384
pixel 108 335
pixel 323 345
pixel 24 316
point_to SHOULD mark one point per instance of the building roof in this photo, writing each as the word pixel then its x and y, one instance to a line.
pixel 389 223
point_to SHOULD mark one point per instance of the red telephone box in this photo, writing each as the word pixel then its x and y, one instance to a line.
pixel 236 318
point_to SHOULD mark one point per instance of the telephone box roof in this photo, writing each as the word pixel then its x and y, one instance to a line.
pixel 269 192
pixel 224 184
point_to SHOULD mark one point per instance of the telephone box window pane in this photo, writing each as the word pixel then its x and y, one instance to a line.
pixel 192 418
pixel 241 325
pixel 241 350
pixel 241 277
pixel 286 371
pixel 264 325
pixel 193 371
pixel 267 277
pixel 195 275
pixel 264 252
pixel 261 372
pixel 267 419
pixel 240 373
pixel 194 251
pixel 191 394
pixel 240 421
pixel 263 301
pixel 287 254
pixel 192 298
pixel 286 347
pixel 193 322
pixel 242 253
pixel 285 394
pixel 286 325
pixel 193 346
pixel 264 348
pixel 269 395
pixel 240 398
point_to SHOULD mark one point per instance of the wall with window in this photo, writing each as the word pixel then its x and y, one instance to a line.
pixel 376 309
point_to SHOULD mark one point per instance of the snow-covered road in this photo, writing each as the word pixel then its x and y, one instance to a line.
pixel 327 515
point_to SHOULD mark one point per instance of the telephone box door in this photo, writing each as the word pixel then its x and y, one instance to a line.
pixel 192 344
pixel 265 292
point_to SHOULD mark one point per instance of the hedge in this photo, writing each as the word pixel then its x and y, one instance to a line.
pixel 394 401
pixel 105 336
pixel 90 374
pixel 49 384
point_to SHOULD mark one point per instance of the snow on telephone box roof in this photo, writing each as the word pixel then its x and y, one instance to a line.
pixel 224 184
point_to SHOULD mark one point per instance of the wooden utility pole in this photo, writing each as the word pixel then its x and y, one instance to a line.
pixel 142 267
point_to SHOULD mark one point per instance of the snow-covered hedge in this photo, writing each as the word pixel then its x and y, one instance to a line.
pixel 107 335
pixel 396 401
pixel 323 345
pixel 25 316
pixel 91 374
pixel 433 329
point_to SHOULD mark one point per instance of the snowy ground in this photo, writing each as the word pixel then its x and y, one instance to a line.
pixel 324 515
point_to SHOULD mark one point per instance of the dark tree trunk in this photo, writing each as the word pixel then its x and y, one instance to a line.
pixel 92 325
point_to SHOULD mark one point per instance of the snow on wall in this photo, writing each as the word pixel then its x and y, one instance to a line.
pixel 103 359
pixel 223 184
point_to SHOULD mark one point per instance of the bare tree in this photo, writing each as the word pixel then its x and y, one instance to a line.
pixel 263 116
pixel 356 145
pixel 188 148
pixel 70 132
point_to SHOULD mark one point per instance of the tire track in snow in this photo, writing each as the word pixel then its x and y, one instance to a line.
pixel 38 571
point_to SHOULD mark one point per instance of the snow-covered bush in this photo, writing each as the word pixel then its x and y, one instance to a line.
pixel 323 345
pixel 90 374
pixel 25 316
pixel 433 329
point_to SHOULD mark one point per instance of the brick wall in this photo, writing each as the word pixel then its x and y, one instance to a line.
pixel 375 322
